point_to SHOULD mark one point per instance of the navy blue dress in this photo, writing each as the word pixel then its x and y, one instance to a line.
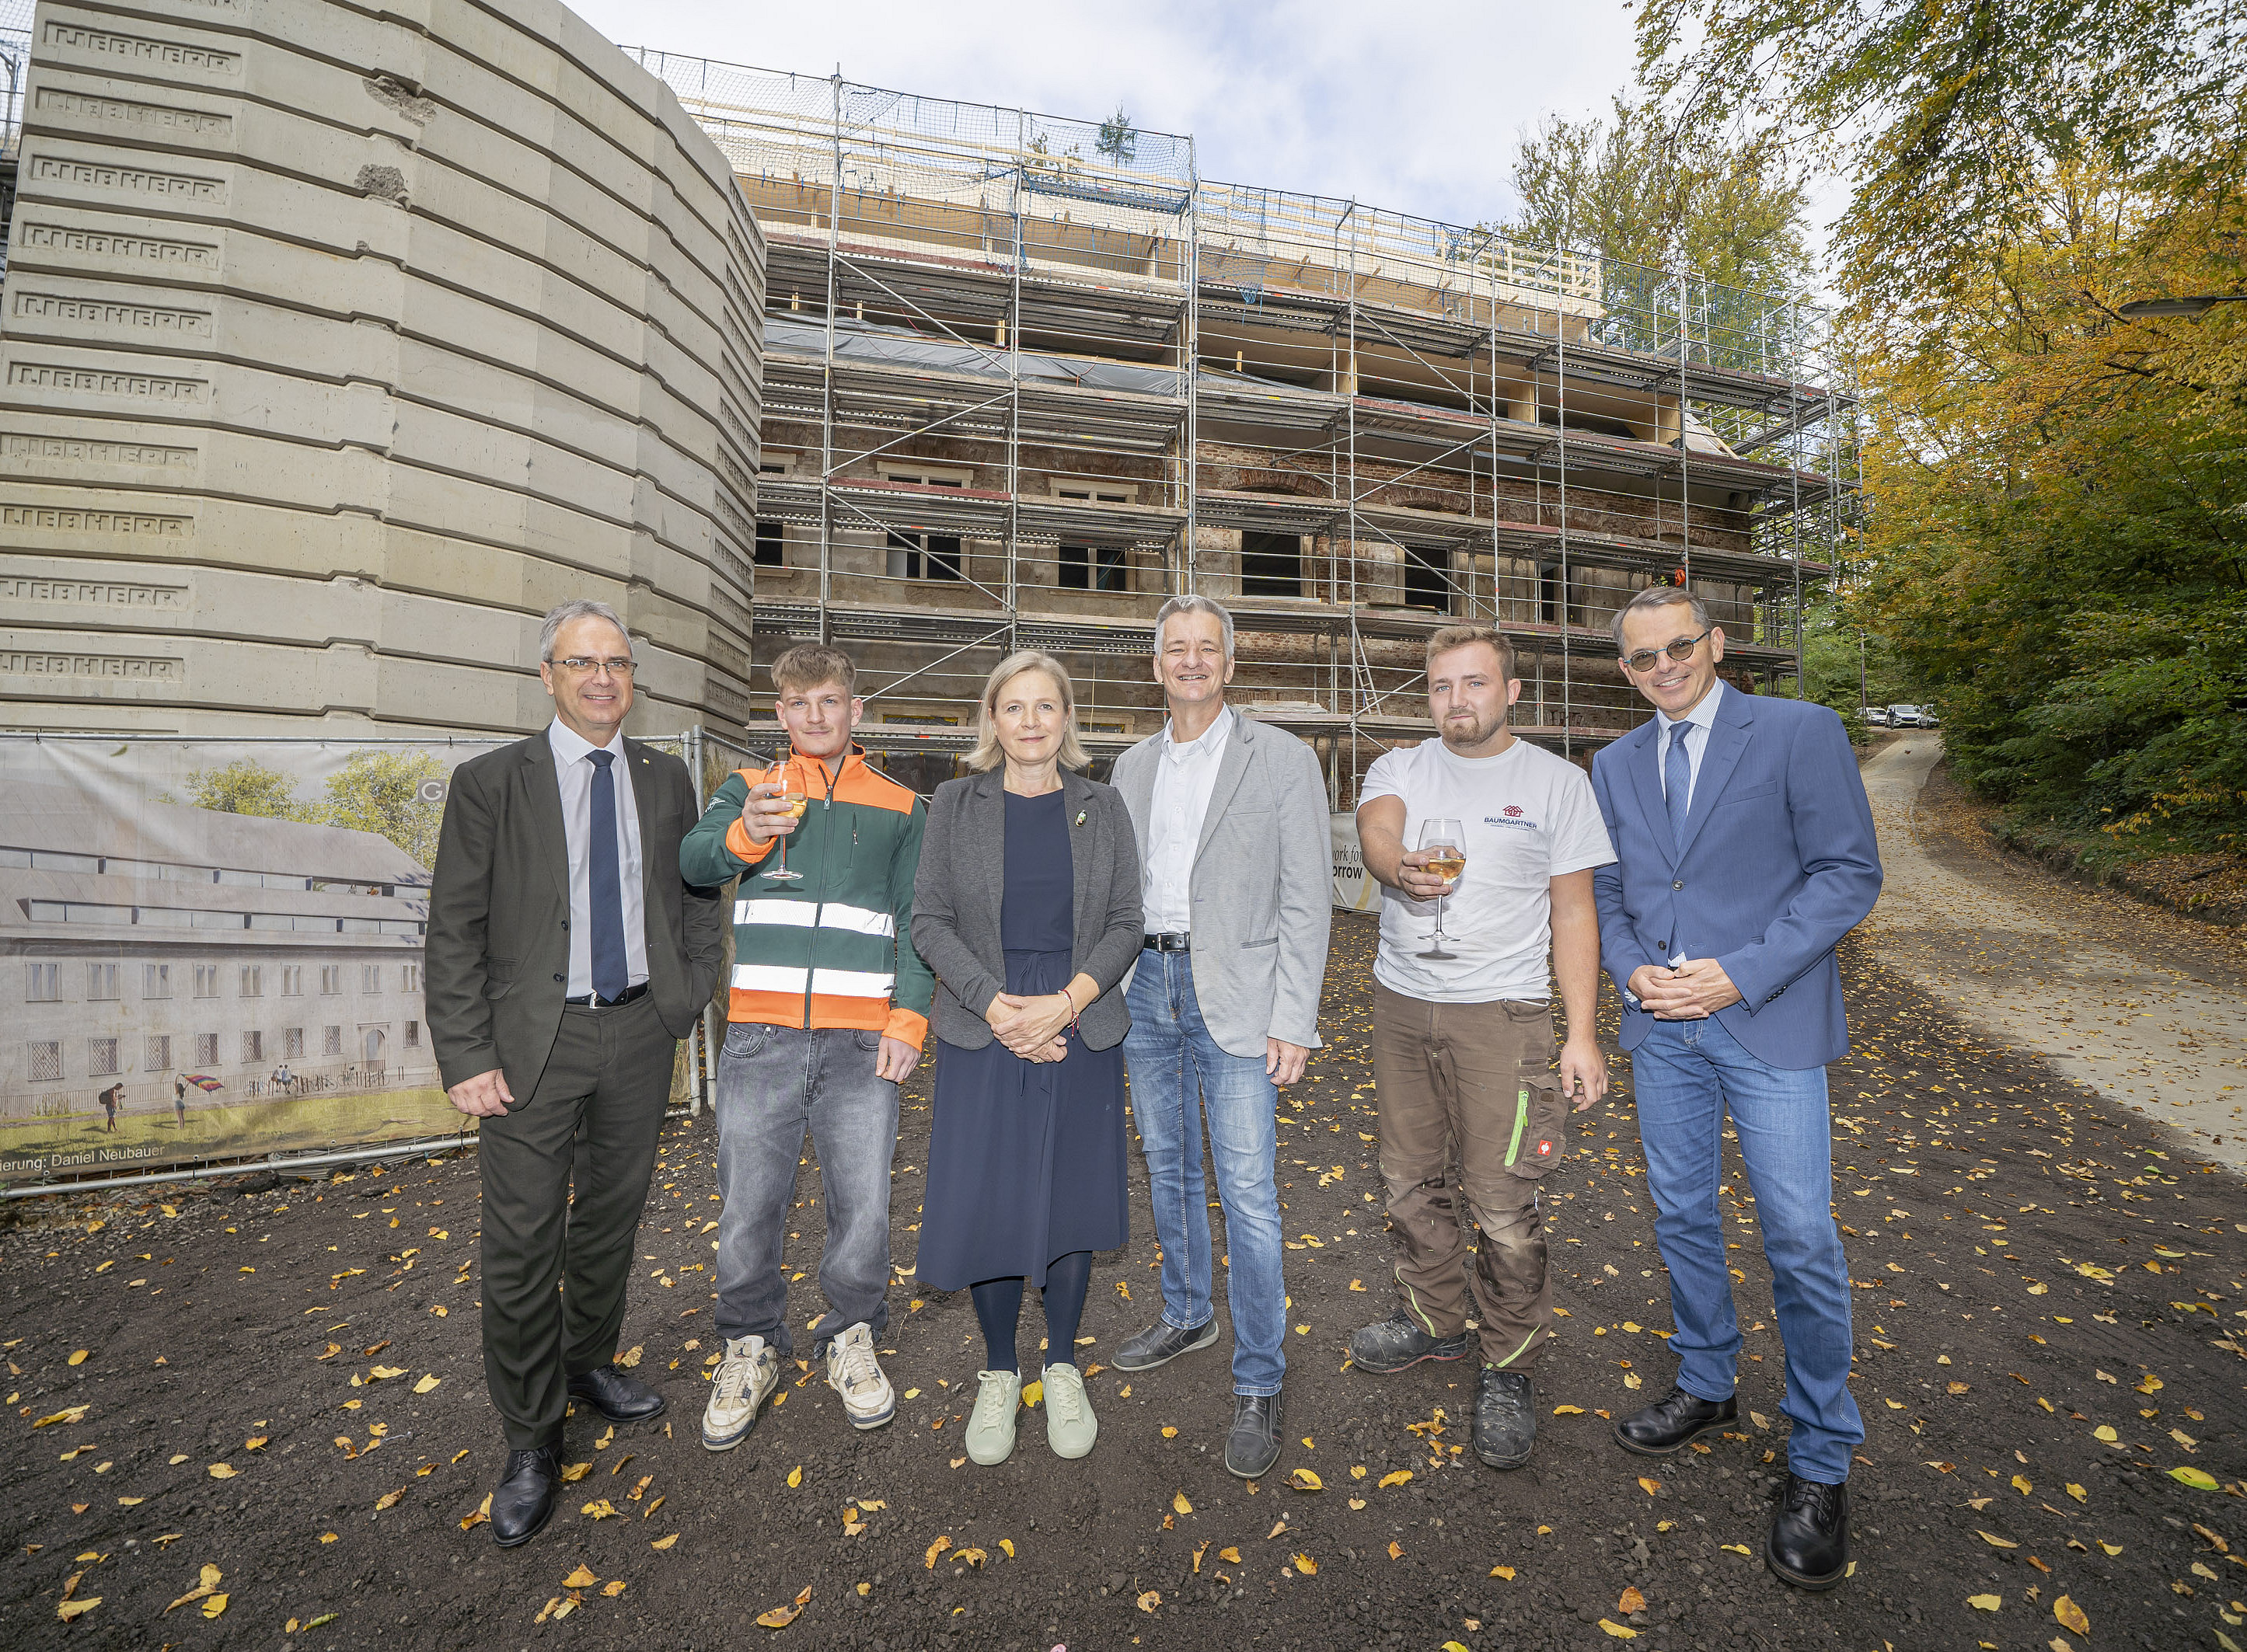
pixel 1025 1158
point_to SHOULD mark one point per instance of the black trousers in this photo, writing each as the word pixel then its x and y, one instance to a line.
pixel 594 1118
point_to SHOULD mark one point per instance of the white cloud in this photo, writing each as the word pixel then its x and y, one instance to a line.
pixel 1415 109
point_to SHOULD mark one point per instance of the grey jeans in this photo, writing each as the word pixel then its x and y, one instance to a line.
pixel 775 1083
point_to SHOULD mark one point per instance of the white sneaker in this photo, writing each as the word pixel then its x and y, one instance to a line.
pixel 745 1379
pixel 854 1373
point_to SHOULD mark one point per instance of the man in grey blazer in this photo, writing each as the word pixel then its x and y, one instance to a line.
pixel 1239 894
pixel 565 960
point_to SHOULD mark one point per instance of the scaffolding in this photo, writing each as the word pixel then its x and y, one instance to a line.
pixel 1028 376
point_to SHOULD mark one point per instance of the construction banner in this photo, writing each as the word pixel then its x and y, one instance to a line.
pixel 216 949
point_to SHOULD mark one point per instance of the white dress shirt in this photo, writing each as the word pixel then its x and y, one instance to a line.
pixel 573 770
pixel 1699 723
pixel 1183 783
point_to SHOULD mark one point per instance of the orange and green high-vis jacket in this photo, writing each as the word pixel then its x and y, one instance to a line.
pixel 836 948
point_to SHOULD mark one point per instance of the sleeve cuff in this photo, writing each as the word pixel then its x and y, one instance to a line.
pixel 907 1027
pixel 739 846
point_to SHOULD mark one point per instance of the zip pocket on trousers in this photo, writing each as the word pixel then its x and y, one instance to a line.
pixel 1520 1123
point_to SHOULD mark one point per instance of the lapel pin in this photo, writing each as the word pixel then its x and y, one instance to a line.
pixel 1080 818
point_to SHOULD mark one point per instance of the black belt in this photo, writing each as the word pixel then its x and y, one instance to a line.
pixel 1179 943
pixel 594 1000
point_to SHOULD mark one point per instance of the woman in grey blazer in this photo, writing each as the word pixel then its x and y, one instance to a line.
pixel 1027 907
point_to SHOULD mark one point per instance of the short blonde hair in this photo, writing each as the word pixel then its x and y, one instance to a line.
pixel 1452 637
pixel 987 755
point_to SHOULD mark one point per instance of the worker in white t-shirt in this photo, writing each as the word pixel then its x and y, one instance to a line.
pixel 1502 835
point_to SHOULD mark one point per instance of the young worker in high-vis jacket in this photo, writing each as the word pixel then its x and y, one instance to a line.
pixel 828 1008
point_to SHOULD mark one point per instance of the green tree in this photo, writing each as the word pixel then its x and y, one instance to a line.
pixel 1639 187
pixel 245 787
pixel 1950 120
pixel 380 791
pixel 1119 139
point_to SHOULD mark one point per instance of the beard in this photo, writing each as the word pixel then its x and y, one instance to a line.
pixel 1459 732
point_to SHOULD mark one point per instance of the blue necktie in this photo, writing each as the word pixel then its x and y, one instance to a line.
pixel 605 884
pixel 1676 784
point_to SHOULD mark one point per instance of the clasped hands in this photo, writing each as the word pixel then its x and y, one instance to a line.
pixel 1032 1026
pixel 1693 991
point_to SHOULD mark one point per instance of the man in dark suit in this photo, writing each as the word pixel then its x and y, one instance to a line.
pixel 1745 852
pixel 565 960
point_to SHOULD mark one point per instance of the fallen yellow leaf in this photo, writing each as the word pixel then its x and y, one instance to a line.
pixel 1995 1542
pixel 2021 1485
pixel 214 1605
pixel 77 1358
pixel 1505 1572
pixel 1632 1602
pixel 1394 1476
pixel 1619 1631
pixel 1736 1548
pixel 795 1477
pixel 1395 1550
pixel 71 1413
pixel 426 1382
pixel 665 1542
pixel 69 1610
pixel 600 1509
pixel 1306 1566
pixel 2071 1615
pixel 613 1587
pixel 1568 1410
pixel 222 1471
pixel 2199 1479
pixel 2075 1491
pixel 1179 1504
pixel 781 1616
pixel 1304 1480
pixel 1232 1556
pixel 935 1549
pixel 580 1578
pixel 1985 1602
pixel 1150 1601
pixel 1649 1486
pixel 575 1471
pixel 389 1500
pixel 1033 1392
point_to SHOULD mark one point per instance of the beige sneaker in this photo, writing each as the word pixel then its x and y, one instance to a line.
pixel 744 1379
pixel 854 1373
pixel 991 1424
pixel 1070 1428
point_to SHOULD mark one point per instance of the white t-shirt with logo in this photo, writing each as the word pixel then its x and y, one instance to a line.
pixel 1527 816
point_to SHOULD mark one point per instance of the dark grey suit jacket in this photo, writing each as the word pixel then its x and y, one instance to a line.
pixel 497 966
pixel 962 883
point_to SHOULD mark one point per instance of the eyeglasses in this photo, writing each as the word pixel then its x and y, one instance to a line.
pixel 614 667
pixel 1681 650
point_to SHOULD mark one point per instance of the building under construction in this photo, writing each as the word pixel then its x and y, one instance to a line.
pixel 1027 376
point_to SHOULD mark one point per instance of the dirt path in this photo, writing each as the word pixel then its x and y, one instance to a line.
pixel 2116 995
pixel 2044 1286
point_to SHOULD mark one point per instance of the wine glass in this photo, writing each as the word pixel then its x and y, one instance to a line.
pixel 783 774
pixel 1447 860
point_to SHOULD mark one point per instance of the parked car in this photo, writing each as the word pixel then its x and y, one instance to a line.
pixel 1875 716
pixel 1906 717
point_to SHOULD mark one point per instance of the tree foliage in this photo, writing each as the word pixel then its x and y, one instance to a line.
pixel 1634 186
pixel 377 790
pixel 1952 118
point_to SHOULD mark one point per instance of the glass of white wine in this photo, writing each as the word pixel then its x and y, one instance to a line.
pixel 783 776
pixel 1442 841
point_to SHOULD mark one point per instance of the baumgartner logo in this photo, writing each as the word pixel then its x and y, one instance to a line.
pixel 1511 817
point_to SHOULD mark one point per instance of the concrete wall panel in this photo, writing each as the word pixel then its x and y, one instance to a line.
pixel 336 347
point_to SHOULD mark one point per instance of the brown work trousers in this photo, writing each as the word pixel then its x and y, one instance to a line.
pixel 1470 1113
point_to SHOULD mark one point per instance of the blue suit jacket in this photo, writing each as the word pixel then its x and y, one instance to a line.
pixel 1780 862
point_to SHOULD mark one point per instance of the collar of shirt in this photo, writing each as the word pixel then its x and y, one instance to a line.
pixel 1703 716
pixel 1209 743
pixel 571 747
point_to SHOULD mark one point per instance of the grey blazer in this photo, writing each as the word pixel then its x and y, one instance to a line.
pixel 963 879
pixel 1262 884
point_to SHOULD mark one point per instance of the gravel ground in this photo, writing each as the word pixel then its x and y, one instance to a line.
pixel 2036 1270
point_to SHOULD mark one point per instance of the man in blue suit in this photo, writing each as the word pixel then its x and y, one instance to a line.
pixel 1745 852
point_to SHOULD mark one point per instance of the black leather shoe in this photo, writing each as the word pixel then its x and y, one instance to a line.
pixel 1162 1343
pixel 1505 1418
pixel 523 1500
pixel 1665 1428
pixel 1391 1344
pixel 1809 1545
pixel 617 1398
pixel 1252 1446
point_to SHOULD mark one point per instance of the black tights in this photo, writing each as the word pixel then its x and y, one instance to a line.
pixel 998 1307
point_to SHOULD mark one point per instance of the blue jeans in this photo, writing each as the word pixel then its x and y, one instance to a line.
pixel 775 1082
pixel 1689 1074
pixel 1180 1077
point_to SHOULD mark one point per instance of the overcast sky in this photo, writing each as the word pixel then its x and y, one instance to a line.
pixel 1410 106
pixel 1417 107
